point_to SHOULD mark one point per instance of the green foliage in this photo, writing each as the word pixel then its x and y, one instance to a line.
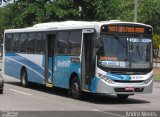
pixel 156 45
pixel 6 19
pixel 149 12
pixel 61 10
pixel 24 13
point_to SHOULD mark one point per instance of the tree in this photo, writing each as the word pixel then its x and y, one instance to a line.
pixel 24 13
pixel 6 18
pixel 149 14
pixel 156 45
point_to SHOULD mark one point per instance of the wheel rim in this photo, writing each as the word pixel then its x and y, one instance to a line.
pixel 23 79
pixel 75 88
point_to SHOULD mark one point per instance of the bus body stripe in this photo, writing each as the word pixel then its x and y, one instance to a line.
pixel 25 66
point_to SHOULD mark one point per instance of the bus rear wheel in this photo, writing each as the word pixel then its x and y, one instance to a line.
pixel 75 88
pixel 24 78
pixel 122 96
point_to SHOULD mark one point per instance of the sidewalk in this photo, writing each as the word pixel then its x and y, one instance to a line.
pixel 156 65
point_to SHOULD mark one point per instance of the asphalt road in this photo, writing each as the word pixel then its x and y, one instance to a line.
pixel 40 101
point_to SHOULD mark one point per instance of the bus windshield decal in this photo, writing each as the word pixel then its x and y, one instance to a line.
pixel 109 58
pixel 112 63
pixel 140 40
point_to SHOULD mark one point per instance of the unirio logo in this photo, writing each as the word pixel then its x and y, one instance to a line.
pixel 63 63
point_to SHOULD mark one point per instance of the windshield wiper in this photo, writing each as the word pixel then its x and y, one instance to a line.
pixel 120 42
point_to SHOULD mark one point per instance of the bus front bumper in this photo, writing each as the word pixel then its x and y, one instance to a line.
pixel 124 88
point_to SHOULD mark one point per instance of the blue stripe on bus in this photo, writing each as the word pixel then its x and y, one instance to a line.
pixel 118 77
pixel 14 63
pixel 94 84
pixel 62 72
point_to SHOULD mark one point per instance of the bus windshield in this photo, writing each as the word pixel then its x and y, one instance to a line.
pixel 125 52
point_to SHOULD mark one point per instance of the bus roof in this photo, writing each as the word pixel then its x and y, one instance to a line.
pixel 69 25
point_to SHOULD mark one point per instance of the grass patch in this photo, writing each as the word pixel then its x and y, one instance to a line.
pixel 156 74
pixel 156 78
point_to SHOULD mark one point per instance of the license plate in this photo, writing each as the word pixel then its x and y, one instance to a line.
pixel 129 88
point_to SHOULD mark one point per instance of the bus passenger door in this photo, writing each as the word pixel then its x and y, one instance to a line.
pixel 88 58
pixel 49 59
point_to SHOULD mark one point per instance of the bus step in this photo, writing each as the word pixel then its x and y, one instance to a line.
pixel 86 90
pixel 49 85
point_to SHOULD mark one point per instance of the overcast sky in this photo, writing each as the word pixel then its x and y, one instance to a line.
pixel 4 3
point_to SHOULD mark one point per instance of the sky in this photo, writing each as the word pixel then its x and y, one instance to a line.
pixel 3 4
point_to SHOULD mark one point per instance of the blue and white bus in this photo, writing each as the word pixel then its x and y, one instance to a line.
pixel 108 57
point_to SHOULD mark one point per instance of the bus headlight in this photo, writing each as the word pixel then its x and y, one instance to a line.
pixel 148 80
pixel 105 78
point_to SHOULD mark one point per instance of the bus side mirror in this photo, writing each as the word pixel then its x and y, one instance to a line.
pixel 98 43
pixel 99 48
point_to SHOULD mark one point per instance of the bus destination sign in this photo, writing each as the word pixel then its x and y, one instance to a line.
pixel 126 29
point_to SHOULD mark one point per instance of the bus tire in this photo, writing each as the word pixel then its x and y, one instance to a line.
pixel 1 91
pixel 75 88
pixel 24 78
pixel 122 96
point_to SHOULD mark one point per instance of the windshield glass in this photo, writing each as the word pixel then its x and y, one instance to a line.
pixel 123 52
pixel 140 52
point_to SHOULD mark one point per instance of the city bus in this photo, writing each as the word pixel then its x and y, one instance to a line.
pixel 106 57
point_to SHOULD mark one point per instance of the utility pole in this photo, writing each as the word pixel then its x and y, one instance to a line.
pixel 135 10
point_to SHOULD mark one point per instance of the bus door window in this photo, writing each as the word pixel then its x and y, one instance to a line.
pixel 51 45
pixel 89 54
pixel 50 57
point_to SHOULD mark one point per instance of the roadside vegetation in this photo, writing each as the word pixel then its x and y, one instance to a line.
pixel 156 74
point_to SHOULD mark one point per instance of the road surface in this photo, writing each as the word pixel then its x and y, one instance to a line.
pixel 41 101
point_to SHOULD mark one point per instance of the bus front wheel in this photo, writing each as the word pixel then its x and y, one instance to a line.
pixel 122 96
pixel 24 78
pixel 75 88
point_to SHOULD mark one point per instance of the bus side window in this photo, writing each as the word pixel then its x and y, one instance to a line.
pixel 62 44
pixel 23 42
pixel 75 43
pixel 39 43
pixel 31 43
pixel 15 43
pixel 8 40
